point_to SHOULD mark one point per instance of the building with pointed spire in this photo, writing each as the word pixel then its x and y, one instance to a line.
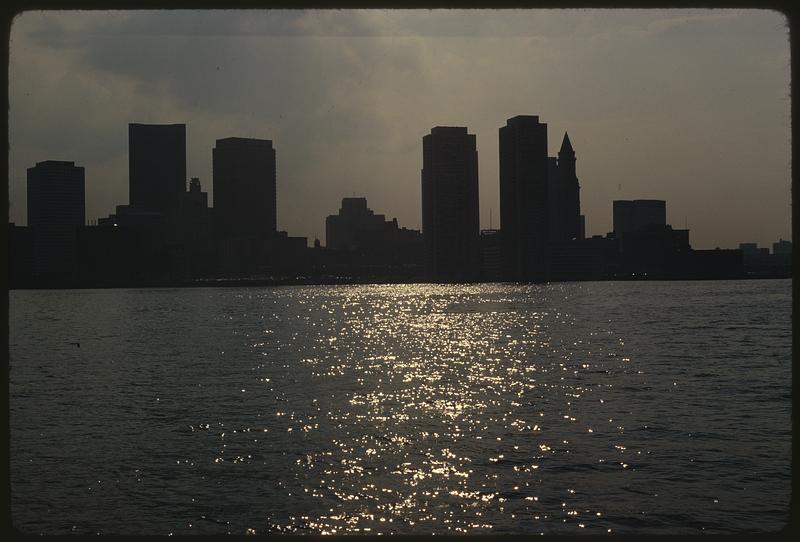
pixel 564 195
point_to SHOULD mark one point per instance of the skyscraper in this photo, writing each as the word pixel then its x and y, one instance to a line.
pixel 632 215
pixel 244 187
pixel 342 230
pixel 450 220
pixel 564 195
pixel 56 209
pixel 570 190
pixel 524 200
pixel 156 166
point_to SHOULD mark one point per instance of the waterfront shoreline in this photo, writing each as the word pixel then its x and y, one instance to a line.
pixel 336 281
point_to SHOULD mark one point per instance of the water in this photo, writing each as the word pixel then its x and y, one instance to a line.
pixel 638 407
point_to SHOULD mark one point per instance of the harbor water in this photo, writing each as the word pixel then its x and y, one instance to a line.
pixel 598 407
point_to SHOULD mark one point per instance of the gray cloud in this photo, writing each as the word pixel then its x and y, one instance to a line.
pixel 681 105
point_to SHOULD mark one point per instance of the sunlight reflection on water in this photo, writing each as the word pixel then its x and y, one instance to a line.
pixel 404 409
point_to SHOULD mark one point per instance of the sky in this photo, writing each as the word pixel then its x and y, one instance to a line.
pixel 688 106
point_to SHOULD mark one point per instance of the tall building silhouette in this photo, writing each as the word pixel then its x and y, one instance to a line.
pixel 365 238
pixel 782 247
pixel 195 197
pixel 524 197
pixel 632 215
pixel 244 178
pixel 342 230
pixel 56 209
pixel 491 255
pixel 156 166
pixel 450 220
pixel 564 195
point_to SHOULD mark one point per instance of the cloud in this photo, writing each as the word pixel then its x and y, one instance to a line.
pixel 347 96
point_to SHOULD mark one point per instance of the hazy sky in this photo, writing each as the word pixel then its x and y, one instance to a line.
pixel 690 106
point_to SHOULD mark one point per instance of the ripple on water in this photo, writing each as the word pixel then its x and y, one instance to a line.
pixel 402 409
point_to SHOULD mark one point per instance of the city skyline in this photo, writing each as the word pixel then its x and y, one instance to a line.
pixel 328 147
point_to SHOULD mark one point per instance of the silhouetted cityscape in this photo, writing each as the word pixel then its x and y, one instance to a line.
pixel 168 234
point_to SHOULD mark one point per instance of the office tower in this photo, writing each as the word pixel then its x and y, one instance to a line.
pixel 524 197
pixel 156 166
pixel 56 209
pixel 244 181
pixel 20 255
pixel 450 221
pixel 782 257
pixel 195 198
pixel 351 226
pixel 491 255
pixel 749 249
pixel 782 247
pixel 369 238
pixel 637 214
